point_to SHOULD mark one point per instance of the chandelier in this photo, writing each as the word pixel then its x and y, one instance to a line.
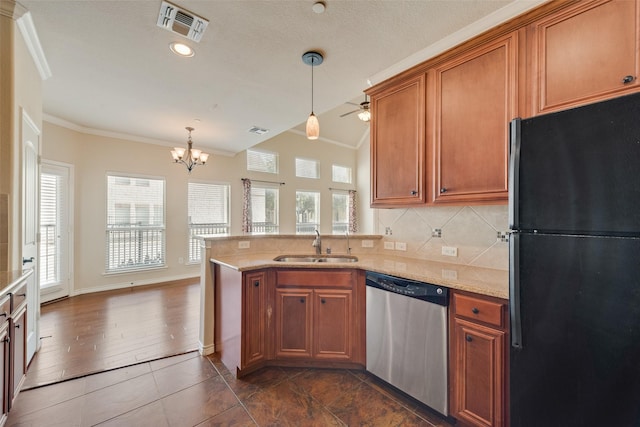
pixel 190 157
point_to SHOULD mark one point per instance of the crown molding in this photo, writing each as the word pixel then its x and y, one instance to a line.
pixel 30 36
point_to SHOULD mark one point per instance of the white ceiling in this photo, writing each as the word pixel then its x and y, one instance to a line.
pixel 113 72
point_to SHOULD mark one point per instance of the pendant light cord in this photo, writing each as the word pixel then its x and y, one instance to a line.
pixel 312 61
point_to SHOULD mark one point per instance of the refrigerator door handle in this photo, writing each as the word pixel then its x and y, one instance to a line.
pixel 514 173
pixel 514 290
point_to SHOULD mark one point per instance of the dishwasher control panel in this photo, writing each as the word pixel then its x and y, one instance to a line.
pixel 411 288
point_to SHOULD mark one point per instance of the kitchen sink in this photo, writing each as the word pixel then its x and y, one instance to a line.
pixel 316 258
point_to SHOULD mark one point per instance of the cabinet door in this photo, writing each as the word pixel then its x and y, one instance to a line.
pixel 333 326
pixel 398 144
pixel 584 54
pixel 18 345
pixel 475 98
pixel 294 310
pixel 4 370
pixel 255 310
pixel 478 375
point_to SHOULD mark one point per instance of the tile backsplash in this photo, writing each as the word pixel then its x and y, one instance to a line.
pixel 477 232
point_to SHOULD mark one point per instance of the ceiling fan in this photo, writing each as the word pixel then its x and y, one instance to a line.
pixel 363 111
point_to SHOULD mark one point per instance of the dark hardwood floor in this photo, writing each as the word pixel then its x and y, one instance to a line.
pixel 106 330
pixel 100 331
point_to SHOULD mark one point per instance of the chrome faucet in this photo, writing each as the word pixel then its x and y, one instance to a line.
pixel 348 245
pixel 317 243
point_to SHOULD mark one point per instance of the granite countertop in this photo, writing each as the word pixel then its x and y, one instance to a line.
pixel 479 280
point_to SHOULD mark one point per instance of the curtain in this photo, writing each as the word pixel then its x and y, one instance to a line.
pixel 246 205
pixel 353 219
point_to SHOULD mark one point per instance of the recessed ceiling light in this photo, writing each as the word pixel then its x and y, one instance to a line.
pixel 318 7
pixel 181 49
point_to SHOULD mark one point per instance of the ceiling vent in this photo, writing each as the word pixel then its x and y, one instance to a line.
pixel 180 21
pixel 257 130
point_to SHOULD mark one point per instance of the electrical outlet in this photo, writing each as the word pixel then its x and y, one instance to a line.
pixel 449 251
pixel 449 274
pixel 388 245
pixel 367 243
pixel 401 246
pixel 244 244
pixel 388 231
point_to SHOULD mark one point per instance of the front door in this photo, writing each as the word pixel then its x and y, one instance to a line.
pixel 30 174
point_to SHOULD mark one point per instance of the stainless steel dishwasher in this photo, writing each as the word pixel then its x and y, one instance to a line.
pixel 407 337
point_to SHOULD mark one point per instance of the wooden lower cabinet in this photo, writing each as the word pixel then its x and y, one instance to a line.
pixel 294 322
pixel 18 339
pixel 308 317
pixel 256 317
pixel 5 356
pixel 478 360
pixel 314 312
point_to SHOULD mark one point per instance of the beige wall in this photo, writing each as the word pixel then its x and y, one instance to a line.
pixel 93 156
pixel 20 93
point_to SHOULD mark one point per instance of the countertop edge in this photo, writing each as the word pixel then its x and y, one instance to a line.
pixel 477 280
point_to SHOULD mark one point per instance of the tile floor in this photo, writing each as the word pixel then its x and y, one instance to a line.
pixel 190 390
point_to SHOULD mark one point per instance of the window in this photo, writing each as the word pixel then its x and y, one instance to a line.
pixel 208 213
pixel 264 209
pixel 341 174
pixel 307 212
pixel 262 161
pixel 340 213
pixel 306 168
pixel 49 229
pixel 135 234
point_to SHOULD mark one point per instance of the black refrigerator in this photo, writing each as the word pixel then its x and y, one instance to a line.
pixel 574 273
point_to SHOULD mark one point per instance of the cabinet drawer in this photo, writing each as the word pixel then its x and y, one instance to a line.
pixel 18 296
pixel 315 278
pixel 479 309
pixel 5 309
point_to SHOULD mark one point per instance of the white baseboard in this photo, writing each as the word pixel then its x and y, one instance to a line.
pixel 124 285
pixel 206 350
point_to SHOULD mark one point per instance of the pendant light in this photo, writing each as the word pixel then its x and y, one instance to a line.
pixel 313 126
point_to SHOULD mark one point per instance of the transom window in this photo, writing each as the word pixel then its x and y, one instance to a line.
pixel 307 168
pixel 341 174
pixel 262 161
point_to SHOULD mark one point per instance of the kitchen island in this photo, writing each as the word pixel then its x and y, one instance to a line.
pixel 243 254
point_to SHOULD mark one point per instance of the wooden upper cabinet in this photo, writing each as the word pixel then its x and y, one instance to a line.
pixel 475 97
pixel 398 144
pixel 586 53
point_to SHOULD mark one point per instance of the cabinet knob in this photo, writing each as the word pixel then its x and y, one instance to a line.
pixel 4 314
pixel 18 326
pixel 443 190
pixel 474 310
pixel 414 192
pixel 628 79
pixel 302 300
pixel 323 301
pixel 7 340
pixel 256 283
pixel 468 338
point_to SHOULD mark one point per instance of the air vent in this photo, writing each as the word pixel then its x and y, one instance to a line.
pixel 257 130
pixel 182 22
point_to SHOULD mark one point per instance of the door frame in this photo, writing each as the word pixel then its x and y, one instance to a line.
pixel 30 135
